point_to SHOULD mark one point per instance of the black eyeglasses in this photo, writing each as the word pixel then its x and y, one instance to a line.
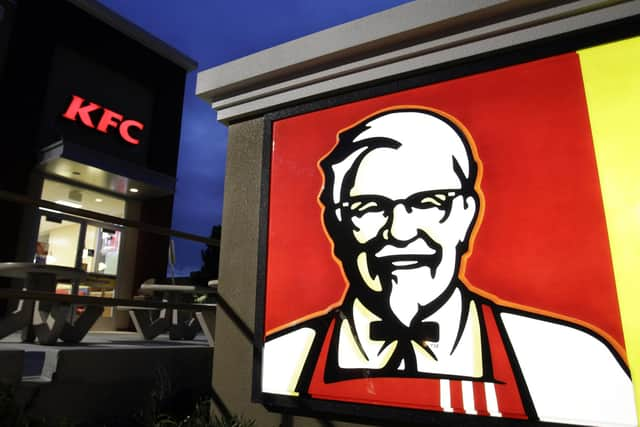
pixel 374 207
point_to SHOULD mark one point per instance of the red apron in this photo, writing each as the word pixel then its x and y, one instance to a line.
pixel 496 398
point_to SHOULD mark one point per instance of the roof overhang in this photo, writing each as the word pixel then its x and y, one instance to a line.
pixel 133 31
pixel 75 163
pixel 416 36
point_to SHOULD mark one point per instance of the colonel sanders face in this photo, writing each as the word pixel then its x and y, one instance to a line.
pixel 400 208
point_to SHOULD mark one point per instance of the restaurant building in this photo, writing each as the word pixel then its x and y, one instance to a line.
pixel 90 114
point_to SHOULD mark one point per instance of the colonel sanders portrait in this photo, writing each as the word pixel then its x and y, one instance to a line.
pixel 401 201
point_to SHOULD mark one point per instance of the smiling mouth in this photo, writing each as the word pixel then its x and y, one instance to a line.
pixel 416 254
pixel 410 261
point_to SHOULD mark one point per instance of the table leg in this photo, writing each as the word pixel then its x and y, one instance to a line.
pixel 28 334
pixel 183 325
pixel 49 324
pixel 44 282
pixel 207 320
pixel 26 308
pixel 74 332
pixel 146 327
pixel 19 318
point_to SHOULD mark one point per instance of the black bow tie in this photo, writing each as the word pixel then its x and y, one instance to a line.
pixel 392 331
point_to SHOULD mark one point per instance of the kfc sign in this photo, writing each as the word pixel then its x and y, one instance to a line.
pixel 440 242
pixel 80 109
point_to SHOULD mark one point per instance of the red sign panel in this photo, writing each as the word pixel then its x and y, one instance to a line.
pixel 445 248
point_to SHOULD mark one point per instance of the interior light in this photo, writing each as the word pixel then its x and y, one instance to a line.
pixel 133 190
pixel 75 195
pixel 50 210
pixel 99 200
pixel 68 203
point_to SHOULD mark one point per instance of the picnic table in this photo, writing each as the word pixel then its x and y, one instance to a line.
pixel 45 320
pixel 180 323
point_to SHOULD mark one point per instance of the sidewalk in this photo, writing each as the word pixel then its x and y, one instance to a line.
pixel 108 375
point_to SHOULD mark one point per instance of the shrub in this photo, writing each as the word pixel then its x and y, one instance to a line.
pixel 202 417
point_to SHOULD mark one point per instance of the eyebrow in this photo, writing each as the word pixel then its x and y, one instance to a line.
pixel 443 193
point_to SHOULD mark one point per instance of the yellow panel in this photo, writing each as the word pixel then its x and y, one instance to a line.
pixel 612 84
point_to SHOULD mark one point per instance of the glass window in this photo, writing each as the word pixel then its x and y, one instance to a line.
pixel 57 241
pixel 101 250
pixel 59 235
pixel 79 197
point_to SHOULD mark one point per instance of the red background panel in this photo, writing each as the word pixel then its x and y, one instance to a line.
pixel 543 240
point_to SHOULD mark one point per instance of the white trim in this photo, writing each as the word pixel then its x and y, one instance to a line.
pixel 492 400
pixel 342 42
pixel 468 398
pixel 445 396
pixel 257 83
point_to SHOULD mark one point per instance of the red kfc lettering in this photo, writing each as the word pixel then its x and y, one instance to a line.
pixel 77 109
pixel 124 130
pixel 109 119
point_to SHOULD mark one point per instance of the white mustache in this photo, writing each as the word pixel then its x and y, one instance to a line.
pixel 417 247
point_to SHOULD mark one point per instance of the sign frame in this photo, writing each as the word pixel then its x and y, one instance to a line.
pixel 305 406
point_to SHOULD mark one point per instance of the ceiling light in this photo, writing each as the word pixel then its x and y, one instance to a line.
pixel 99 200
pixel 75 195
pixel 133 190
pixel 68 203
pixel 50 210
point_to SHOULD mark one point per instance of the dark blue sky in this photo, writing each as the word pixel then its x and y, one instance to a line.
pixel 213 32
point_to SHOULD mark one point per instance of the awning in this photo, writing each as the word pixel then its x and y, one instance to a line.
pixel 73 162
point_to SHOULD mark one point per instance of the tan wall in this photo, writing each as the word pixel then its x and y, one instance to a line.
pixel 233 356
pixel 125 281
pixel 63 244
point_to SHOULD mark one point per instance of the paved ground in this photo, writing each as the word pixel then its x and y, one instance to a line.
pixel 104 339
pixel 108 374
pixel 35 354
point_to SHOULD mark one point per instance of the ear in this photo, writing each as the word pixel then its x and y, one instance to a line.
pixel 468 217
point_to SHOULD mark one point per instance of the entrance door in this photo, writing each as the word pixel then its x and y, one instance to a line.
pixel 73 242
pixel 81 243
pixel 58 240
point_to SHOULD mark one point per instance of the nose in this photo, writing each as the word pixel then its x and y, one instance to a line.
pixel 401 226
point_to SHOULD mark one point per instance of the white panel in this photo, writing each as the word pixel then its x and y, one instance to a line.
pixel 468 398
pixel 283 360
pixel 571 375
pixel 492 400
pixel 445 396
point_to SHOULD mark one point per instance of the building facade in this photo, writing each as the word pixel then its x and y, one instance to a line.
pixel 91 112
